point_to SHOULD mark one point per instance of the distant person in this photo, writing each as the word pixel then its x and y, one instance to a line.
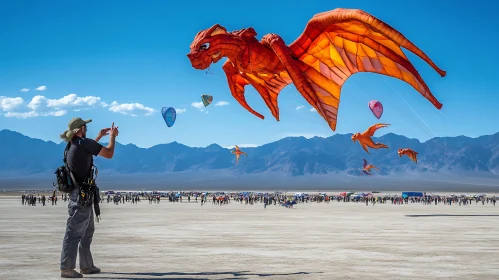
pixel 80 225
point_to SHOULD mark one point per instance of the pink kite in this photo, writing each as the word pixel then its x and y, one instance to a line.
pixel 376 107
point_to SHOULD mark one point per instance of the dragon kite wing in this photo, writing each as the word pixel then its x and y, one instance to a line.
pixel 371 130
pixel 365 163
pixel 342 42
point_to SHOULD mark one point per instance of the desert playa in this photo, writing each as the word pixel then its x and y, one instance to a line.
pixel 237 241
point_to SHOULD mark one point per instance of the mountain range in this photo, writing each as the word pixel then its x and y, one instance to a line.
pixel 291 159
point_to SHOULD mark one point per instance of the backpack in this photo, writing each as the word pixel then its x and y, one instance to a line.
pixel 66 182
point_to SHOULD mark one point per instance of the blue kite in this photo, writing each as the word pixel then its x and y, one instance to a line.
pixel 169 115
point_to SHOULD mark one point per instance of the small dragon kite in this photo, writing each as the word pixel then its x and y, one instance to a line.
pixel 367 168
pixel 413 155
pixel 365 140
pixel 238 153
pixel 334 46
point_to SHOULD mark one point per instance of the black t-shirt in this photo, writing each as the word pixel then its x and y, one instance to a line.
pixel 80 154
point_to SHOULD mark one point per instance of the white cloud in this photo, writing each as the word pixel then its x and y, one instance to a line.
pixel 69 101
pixel 81 109
pixel 222 103
pixel 25 90
pixel 299 107
pixel 198 105
pixel 313 110
pixel 130 108
pixel 180 111
pixel 243 146
pixel 12 107
pixel 41 106
pixel 10 103
pixel 32 114
pixel 41 88
pixel 73 100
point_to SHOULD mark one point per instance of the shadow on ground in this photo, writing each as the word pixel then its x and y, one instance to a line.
pixel 187 275
pixel 453 215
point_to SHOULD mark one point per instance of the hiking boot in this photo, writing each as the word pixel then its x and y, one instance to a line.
pixel 70 273
pixel 92 270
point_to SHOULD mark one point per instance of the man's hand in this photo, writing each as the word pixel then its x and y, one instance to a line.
pixel 114 131
pixel 103 132
pixel 108 152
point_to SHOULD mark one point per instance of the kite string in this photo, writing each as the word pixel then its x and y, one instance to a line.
pixel 210 72
pixel 414 111
pixel 391 88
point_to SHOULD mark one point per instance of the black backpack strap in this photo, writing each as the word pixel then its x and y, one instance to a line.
pixel 66 152
pixel 75 182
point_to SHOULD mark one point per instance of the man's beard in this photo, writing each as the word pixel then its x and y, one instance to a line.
pixel 84 135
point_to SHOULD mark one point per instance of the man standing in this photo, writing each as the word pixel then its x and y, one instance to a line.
pixel 80 224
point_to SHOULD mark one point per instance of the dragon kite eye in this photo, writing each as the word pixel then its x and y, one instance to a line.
pixel 204 46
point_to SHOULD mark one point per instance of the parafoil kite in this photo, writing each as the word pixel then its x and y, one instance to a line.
pixel 238 153
pixel 334 46
pixel 207 99
pixel 376 107
pixel 413 155
pixel 365 140
pixel 169 115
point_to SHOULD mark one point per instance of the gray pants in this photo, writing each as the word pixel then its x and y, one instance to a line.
pixel 79 232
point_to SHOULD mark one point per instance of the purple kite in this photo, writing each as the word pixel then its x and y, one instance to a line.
pixel 376 107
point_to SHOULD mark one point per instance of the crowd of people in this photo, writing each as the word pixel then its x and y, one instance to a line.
pixel 31 199
pixel 275 198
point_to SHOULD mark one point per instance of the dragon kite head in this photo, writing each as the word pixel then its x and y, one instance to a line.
pixel 355 137
pixel 400 152
pixel 207 47
pixel 210 45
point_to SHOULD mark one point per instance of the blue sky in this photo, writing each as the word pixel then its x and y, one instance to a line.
pixel 85 55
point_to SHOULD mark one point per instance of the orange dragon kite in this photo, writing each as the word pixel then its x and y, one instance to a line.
pixel 334 46
pixel 365 140
pixel 367 168
pixel 238 153
pixel 413 155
